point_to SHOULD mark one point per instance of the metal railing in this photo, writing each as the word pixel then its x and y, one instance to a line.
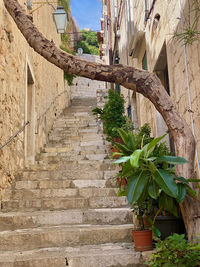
pixel 44 113
pixel 15 135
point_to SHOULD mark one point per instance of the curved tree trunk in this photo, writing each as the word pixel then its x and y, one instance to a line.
pixel 131 78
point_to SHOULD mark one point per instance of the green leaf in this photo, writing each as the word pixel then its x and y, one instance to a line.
pixel 148 148
pixel 171 160
pixel 123 148
pixel 191 192
pixel 181 179
pixel 156 231
pixel 127 169
pixel 131 144
pixel 181 192
pixel 121 160
pixel 117 154
pixel 121 193
pixel 193 180
pixel 136 185
pixel 168 203
pixel 166 182
pixel 153 190
pixel 123 135
pixel 134 158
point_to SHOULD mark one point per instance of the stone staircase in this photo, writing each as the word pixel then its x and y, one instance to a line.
pixel 63 211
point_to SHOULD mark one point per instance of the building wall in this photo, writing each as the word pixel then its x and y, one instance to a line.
pixel 28 85
pixel 155 37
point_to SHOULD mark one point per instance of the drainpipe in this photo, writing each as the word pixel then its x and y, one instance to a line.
pixel 146 9
pixel 188 85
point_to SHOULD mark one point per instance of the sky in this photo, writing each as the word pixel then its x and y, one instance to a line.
pixel 87 13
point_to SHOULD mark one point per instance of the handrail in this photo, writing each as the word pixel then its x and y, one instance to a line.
pixel 13 136
pixel 44 113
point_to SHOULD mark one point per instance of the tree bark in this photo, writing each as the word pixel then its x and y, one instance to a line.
pixel 131 78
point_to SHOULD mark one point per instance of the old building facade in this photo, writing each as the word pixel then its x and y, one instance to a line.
pixel 143 36
pixel 32 90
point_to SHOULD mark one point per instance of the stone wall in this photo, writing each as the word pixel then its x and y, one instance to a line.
pixel 163 53
pixel 28 86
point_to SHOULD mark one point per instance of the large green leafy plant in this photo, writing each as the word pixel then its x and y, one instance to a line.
pixel 175 251
pixel 150 173
pixel 113 115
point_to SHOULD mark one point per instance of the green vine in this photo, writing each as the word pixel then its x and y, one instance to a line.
pixel 66 41
pixel 190 33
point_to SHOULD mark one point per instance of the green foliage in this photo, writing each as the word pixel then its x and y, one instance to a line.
pixel 113 115
pixel 88 43
pixel 150 171
pixel 190 34
pixel 175 251
pixel 90 37
pixel 69 78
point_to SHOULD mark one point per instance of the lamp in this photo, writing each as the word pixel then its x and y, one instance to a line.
pixel 60 19
pixel 59 15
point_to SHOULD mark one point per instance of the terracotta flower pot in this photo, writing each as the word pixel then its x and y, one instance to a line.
pixel 142 240
pixel 113 151
pixel 122 181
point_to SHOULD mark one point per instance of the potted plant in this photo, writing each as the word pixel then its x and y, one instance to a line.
pixel 151 174
pixel 113 116
pixel 143 225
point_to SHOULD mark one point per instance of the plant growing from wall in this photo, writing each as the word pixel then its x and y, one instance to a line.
pixel 190 33
pixel 65 39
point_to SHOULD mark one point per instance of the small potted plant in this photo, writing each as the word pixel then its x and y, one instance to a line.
pixel 142 233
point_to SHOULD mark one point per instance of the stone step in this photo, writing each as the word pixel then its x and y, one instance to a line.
pixel 75 136
pixel 107 255
pixel 30 194
pixel 81 166
pixel 77 124
pixel 69 143
pixel 65 157
pixel 54 151
pixel 64 203
pixel 62 184
pixel 102 255
pixel 62 236
pixel 24 220
pixel 67 174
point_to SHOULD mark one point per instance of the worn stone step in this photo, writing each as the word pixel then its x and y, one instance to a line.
pixel 107 255
pixel 79 173
pixel 29 194
pixel 63 203
pixel 59 151
pixel 62 236
pixel 102 255
pixel 70 138
pixel 25 220
pixel 73 155
pixel 74 165
pixel 48 257
pixel 62 184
